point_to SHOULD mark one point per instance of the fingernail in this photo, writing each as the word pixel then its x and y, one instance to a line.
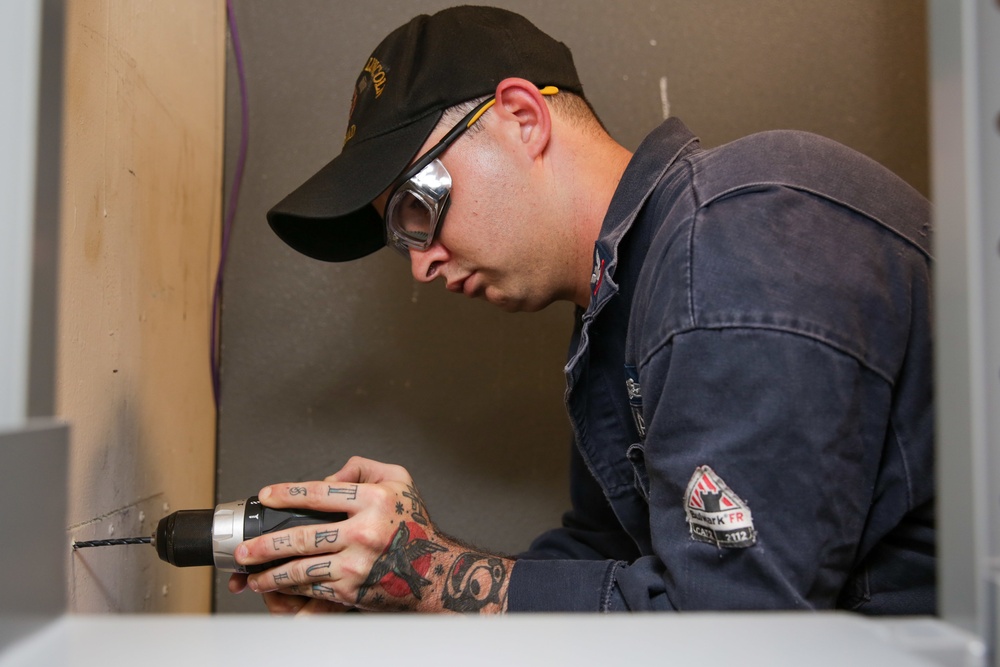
pixel 241 553
pixel 254 586
pixel 264 493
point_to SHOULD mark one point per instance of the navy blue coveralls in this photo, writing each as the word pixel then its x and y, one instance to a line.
pixel 750 389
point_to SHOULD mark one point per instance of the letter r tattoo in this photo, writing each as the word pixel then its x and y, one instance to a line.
pixel 328 536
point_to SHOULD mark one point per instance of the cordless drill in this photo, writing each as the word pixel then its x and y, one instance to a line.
pixel 209 537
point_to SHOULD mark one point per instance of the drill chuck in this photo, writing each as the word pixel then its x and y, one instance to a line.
pixel 186 538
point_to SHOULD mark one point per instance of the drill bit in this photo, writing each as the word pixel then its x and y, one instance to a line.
pixel 114 542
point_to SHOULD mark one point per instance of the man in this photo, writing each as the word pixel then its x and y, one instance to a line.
pixel 749 379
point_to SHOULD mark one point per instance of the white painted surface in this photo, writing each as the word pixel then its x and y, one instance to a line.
pixel 19 53
pixel 746 640
pixel 32 576
pixel 965 112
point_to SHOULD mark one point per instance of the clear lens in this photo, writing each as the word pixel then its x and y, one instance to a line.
pixel 416 206
pixel 411 217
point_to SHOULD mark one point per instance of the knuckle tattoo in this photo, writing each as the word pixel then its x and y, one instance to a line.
pixel 281 542
pixel 324 590
pixel 326 537
pixel 347 492
pixel 319 570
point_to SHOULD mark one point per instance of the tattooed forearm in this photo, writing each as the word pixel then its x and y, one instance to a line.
pixel 473 582
pixel 327 536
pixel 350 492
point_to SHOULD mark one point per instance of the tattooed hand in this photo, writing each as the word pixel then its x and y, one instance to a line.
pixel 386 556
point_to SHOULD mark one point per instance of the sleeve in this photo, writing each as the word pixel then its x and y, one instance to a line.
pixel 790 430
pixel 781 420
pixel 590 530
pixel 586 550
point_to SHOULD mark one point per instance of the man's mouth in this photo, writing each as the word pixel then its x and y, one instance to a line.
pixel 457 286
pixel 467 286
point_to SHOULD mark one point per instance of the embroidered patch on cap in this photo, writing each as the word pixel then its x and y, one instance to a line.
pixel 715 514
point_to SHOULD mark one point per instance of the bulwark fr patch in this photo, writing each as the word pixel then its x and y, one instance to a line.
pixel 715 514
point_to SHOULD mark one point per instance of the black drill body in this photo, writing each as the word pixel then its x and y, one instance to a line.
pixel 189 538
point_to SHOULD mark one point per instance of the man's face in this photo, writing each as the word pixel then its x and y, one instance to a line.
pixel 492 242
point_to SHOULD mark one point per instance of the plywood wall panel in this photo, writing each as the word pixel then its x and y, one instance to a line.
pixel 142 184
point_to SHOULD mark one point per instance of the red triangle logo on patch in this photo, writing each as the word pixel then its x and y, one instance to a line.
pixel 715 514
pixel 707 495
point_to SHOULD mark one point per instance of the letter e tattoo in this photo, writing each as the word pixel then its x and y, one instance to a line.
pixel 324 591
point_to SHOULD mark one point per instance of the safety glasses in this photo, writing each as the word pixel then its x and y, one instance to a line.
pixel 419 198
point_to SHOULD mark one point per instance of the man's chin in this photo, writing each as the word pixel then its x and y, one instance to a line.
pixel 511 304
pixel 495 297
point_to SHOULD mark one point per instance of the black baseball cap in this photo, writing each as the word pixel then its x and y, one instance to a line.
pixel 418 71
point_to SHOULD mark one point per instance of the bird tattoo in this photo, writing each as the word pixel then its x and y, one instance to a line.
pixel 398 559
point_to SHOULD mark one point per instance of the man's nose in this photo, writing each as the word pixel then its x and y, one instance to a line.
pixel 426 264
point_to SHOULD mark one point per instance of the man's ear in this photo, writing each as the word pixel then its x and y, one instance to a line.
pixel 520 100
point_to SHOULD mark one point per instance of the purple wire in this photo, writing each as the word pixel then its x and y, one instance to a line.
pixel 234 195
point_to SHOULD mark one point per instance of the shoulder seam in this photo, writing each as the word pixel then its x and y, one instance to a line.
pixel 788 331
pixel 816 193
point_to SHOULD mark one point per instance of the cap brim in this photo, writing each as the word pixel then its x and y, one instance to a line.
pixel 330 217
